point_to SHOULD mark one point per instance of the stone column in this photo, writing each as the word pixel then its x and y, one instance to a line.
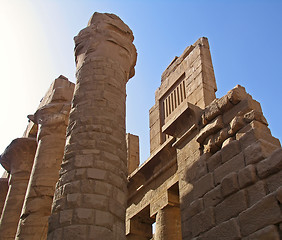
pixel 3 192
pixel 168 224
pixel 17 159
pixel 52 120
pixel 91 194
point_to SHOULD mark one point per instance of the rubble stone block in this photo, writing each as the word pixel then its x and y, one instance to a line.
pixel 233 165
pixel 203 185
pixel 220 137
pixel 255 115
pixel 262 214
pixel 270 165
pixel 255 192
pixel 224 104
pixel 198 169
pixel 213 197
pixel 195 207
pixel 247 176
pixel 267 233
pixel 226 230
pixel 229 184
pixel 214 161
pixel 201 222
pixel 236 124
pixel 258 151
pixel 212 111
pixel 209 129
pixel 237 94
pixel 231 206
pixel 273 182
pixel 230 150
pixel 279 194
pixel 250 134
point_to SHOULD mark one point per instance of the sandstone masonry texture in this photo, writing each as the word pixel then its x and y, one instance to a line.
pixel 52 119
pixel 95 153
pixel 214 171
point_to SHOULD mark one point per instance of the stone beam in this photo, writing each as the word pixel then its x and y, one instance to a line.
pixel 91 194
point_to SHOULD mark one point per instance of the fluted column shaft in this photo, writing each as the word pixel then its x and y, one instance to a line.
pixel 91 194
pixel 18 160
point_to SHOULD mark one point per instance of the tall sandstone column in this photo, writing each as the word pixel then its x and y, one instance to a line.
pixel 17 159
pixel 91 194
pixel 52 119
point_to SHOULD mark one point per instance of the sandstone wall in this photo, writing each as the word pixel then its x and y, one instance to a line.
pixel 214 164
pixel 233 189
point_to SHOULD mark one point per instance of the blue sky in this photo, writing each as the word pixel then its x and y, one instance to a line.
pixel 37 46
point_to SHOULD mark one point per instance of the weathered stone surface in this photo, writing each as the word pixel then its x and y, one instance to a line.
pixel 247 176
pixel 255 192
pixel 273 182
pixel 262 214
pixel 3 192
pixel 270 165
pixel 168 224
pixel 258 151
pixel 213 197
pixel 203 185
pixel 195 207
pixel 253 132
pixel 231 206
pixel 209 129
pixel 214 161
pixel 255 115
pixel 267 233
pixel 227 230
pixel 132 143
pixel 236 124
pixel 234 164
pixel 211 166
pixel 212 111
pixel 52 119
pixel 230 150
pixel 105 59
pixel 17 159
pixel 229 184
pixel 237 94
pixel 202 221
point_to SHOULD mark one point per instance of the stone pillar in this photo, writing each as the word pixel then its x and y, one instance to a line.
pixel 3 192
pixel 91 194
pixel 17 159
pixel 52 120
pixel 132 144
pixel 168 224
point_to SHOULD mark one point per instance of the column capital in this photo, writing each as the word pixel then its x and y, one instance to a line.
pixel 108 36
pixel 14 159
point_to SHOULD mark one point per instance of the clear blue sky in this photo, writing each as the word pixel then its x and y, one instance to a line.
pixel 37 46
